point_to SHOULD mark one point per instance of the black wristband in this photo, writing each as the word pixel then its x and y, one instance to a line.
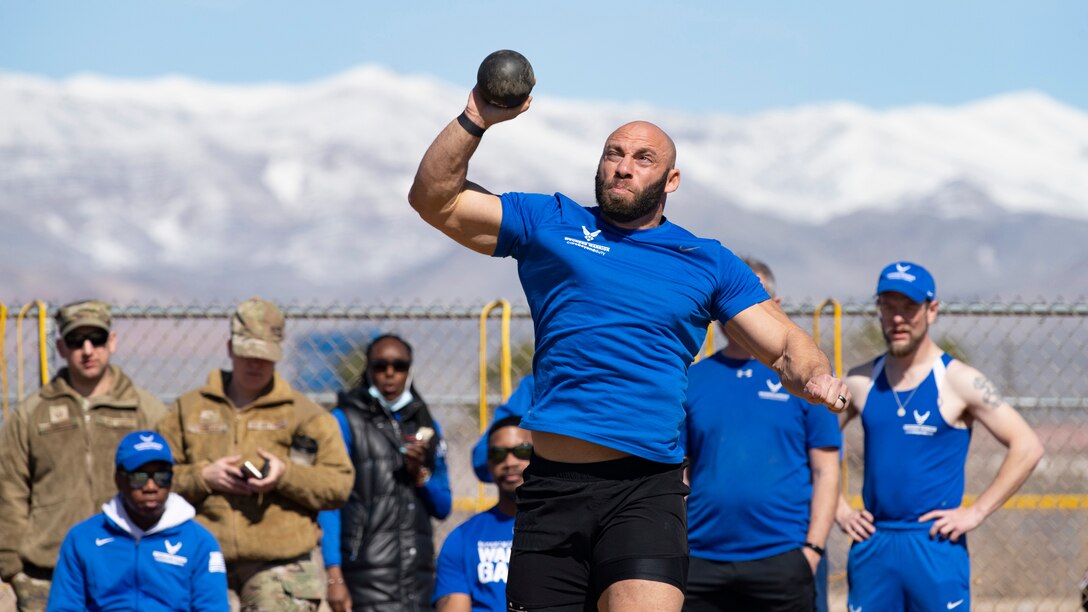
pixel 470 127
pixel 819 549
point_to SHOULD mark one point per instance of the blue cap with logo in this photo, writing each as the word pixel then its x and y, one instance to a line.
pixel 907 278
pixel 140 447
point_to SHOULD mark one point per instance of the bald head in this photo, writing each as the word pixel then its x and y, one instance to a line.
pixel 648 133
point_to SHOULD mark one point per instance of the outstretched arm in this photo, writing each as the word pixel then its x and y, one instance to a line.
pixel 985 405
pixel 775 340
pixel 441 192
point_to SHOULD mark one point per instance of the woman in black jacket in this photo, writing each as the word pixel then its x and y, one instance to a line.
pixel 384 558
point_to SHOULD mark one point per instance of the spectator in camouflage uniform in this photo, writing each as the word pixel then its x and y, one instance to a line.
pixel 56 449
pixel 266 522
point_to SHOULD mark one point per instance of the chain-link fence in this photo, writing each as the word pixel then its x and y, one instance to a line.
pixel 1028 556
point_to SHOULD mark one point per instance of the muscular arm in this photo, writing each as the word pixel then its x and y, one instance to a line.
pixel 776 341
pixel 984 404
pixel 441 192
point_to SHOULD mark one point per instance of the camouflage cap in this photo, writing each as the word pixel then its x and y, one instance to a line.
pixel 256 330
pixel 88 313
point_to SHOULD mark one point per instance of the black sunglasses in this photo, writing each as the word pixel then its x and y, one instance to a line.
pixel 98 339
pixel 138 480
pixel 496 454
pixel 399 365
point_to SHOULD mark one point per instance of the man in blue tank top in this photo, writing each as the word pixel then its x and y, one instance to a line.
pixel 917 406
pixel 620 299
pixel 764 480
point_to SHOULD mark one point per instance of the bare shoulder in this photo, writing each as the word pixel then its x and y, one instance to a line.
pixel 858 379
pixel 973 387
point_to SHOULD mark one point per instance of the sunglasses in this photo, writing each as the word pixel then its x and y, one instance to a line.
pixel 399 365
pixel 497 454
pixel 138 480
pixel 98 339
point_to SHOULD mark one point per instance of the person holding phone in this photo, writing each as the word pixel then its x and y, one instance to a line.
pixel 379 548
pixel 259 460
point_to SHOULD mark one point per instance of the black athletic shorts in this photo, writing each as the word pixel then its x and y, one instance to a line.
pixel 581 527
pixel 780 583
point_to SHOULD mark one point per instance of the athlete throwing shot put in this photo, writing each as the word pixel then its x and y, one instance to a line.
pixel 621 299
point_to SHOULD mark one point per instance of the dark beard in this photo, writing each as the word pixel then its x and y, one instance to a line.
pixel 904 351
pixel 643 204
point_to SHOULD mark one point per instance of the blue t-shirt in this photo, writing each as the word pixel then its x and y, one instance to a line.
pixel 475 560
pixel 748 440
pixel 618 316
pixel 914 460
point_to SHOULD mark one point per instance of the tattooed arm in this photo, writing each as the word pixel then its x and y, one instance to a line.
pixel 986 406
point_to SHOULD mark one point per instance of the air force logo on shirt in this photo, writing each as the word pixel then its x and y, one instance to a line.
pixel 170 556
pixel 774 392
pixel 918 427
pixel 588 243
pixel 494 561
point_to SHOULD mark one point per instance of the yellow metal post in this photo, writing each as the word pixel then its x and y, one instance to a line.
pixel 504 372
pixel 42 358
pixel 3 355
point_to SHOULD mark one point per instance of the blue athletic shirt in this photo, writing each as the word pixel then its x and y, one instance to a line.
pixel 748 441
pixel 618 316
pixel 475 561
pixel 914 461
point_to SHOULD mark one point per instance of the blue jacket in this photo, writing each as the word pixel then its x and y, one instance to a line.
pixel 107 563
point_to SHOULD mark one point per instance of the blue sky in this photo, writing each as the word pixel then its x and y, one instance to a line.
pixel 723 56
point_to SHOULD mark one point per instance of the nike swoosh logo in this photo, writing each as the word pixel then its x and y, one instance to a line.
pixel 101 541
pixel 687 249
pixel 953 604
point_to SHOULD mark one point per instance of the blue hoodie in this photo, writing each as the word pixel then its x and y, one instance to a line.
pixel 108 563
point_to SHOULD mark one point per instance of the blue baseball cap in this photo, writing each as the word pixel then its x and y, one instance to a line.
pixel 140 447
pixel 907 278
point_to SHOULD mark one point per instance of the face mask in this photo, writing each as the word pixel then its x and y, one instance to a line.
pixel 403 400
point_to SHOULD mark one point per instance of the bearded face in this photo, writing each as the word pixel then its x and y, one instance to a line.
pixel 639 204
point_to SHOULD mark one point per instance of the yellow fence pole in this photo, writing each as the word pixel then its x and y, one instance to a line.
pixel 708 344
pixel 3 355
pixel 504 372
pixel 43 360
pixel 836 341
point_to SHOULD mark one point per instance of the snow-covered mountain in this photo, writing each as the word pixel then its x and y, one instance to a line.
pixel 176 189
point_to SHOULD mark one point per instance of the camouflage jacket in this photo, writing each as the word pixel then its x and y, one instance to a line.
pixel 56 463
pixel 203 426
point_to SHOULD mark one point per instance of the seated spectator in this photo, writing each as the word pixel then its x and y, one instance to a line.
pixel 144 551
pixel 517 405
pixel 475 558
pixel 379 548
